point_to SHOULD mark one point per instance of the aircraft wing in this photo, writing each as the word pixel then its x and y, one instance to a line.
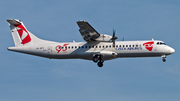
pixel 87 31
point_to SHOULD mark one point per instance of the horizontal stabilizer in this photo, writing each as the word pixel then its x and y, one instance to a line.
pixel 14 22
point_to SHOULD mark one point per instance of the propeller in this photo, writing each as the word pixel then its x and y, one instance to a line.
pixel 114 37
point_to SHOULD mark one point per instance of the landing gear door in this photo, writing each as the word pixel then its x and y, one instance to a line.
pixel 49 50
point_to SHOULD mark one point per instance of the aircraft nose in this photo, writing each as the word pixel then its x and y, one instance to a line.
pixel 171 50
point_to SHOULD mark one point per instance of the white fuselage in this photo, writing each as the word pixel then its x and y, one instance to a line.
pixel 83 50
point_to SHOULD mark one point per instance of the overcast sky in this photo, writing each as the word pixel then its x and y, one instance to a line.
pixel 30 78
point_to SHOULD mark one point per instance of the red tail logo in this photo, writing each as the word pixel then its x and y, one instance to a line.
pixel 23 33
pixel 149 45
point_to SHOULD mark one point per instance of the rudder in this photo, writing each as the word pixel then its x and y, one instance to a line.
pixel 15 34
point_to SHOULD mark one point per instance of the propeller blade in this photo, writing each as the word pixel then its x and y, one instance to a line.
pixel 114 31
pixel 114 37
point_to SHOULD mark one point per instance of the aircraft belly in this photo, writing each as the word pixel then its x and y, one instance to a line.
pixel 85 55
pixel 64 55
pixel 139 54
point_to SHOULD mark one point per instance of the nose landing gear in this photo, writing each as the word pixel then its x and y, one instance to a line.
pixel 164 58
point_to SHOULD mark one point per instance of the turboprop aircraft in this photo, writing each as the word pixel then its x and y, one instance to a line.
pixel 98 47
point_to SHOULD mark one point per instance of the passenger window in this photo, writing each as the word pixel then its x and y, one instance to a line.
pixel 82 46
pixel 69 47
pixel 123 45
pixel 72 47
pixel 126 45
pixel 129 45
pixel 110 46
pixel 136 45
pixel 85 46
pixel 103 46
pixel 107 46
pixel 116 45
pixel 119 45
pixel 96 46
pixel 133 45
pixel 89 46
pixel 75 46
pixel 158 43
pixel 99 46
pixel 92 46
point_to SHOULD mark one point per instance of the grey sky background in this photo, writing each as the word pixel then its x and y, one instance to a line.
pixel 30 78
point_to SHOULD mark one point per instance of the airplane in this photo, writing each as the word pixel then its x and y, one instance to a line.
pixel 97 47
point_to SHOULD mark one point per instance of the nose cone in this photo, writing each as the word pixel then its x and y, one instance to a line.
pixel 171 50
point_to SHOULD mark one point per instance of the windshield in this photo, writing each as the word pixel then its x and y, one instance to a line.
pixel 161 43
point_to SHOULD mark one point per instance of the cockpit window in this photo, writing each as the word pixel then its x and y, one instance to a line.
pixel 161 43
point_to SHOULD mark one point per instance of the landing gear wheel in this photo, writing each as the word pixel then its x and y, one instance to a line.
pixel 95 59
pixel 100 64
pixel 164 60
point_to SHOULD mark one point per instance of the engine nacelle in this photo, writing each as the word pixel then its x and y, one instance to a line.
pixel 104 38
pixel 106 55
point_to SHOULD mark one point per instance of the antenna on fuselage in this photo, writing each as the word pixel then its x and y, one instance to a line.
pixel 123 39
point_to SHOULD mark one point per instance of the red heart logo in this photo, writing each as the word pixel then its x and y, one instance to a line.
pixel 149 45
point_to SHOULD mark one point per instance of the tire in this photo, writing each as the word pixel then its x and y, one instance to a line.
pixel 100 64
pixel 164 60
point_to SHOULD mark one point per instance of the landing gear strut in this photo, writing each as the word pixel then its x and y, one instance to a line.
pixel 97 58
pixel 164 58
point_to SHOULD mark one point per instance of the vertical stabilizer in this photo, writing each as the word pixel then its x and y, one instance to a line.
pixel 21 35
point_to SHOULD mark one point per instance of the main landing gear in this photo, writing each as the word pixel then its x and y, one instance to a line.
pixel 97 58
pixel 164 58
